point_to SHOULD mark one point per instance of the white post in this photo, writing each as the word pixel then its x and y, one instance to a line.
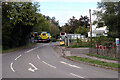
pixel 117 44
pixel 117 41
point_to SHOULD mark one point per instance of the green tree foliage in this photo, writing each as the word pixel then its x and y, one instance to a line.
pixel 110 14
pixel 54 27
pixel 52 20
pixel 18 20
pixel 73 24
pixel 47 24
pixel 43 24
pixel 54 30
pixel 81 30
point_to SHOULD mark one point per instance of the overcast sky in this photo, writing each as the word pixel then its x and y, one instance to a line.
pixel 63 10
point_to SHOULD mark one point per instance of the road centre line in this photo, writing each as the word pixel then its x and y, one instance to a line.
pixel 31 49
pixel 76 75
pixel 18 57
pixel 11 66
pixel 49 64
pixel 38 57
pixel 69 64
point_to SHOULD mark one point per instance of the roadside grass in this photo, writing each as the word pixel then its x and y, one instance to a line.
pixel 19 48
pixel 89 60
pixel 0 49
pixel 103 57
pixel 77 46
pixel 74 46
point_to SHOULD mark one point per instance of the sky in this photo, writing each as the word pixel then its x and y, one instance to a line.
pixel 63 10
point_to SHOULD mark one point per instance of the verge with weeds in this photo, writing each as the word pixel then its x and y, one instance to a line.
pixel 19 48
pixel 89 60
pixel 103 57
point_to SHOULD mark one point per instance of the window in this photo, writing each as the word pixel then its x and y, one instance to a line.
pixel 44 34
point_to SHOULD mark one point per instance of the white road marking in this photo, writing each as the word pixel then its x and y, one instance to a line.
pixel 11 66
pixel 30 69
pixel 35 68
pixel 38 57
pixel 69 64
pixel 49 64
pixel 76 75
pixel 31 49
pixel 18 57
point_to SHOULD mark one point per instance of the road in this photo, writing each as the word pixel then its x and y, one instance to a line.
pixel 42 61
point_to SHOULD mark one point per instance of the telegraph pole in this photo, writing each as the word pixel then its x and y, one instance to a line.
pixel 90 24
pixel 90 32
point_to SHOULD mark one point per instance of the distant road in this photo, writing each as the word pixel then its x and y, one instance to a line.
pixel 43 62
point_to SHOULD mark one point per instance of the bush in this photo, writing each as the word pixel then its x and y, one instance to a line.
pixel 53 39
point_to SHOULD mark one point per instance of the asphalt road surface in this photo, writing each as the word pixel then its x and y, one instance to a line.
pixel 43 62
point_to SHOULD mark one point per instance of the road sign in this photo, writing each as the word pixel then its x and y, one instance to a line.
pixel 117 41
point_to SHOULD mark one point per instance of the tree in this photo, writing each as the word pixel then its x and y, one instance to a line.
pixel 6 25
pixel 81 30
pixel 54 30
pixel 47 24
pixel 54 27
pixel 43 24
pixel 18 20
pixel 110 14
pixel 73 24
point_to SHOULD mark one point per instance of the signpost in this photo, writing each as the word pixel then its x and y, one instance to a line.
pixel 117 45
pixel 117 41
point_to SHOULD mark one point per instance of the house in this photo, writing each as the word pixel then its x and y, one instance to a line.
pixel 96 32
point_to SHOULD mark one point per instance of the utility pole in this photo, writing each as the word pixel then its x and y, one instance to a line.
pixel 90 32
pixel 68 40
pixel 90 24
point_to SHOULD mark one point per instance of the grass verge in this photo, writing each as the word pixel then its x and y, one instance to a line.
pixel 0 49
pixel 19 48
pixel 77 46
pixel 103 57
pixel 89 60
